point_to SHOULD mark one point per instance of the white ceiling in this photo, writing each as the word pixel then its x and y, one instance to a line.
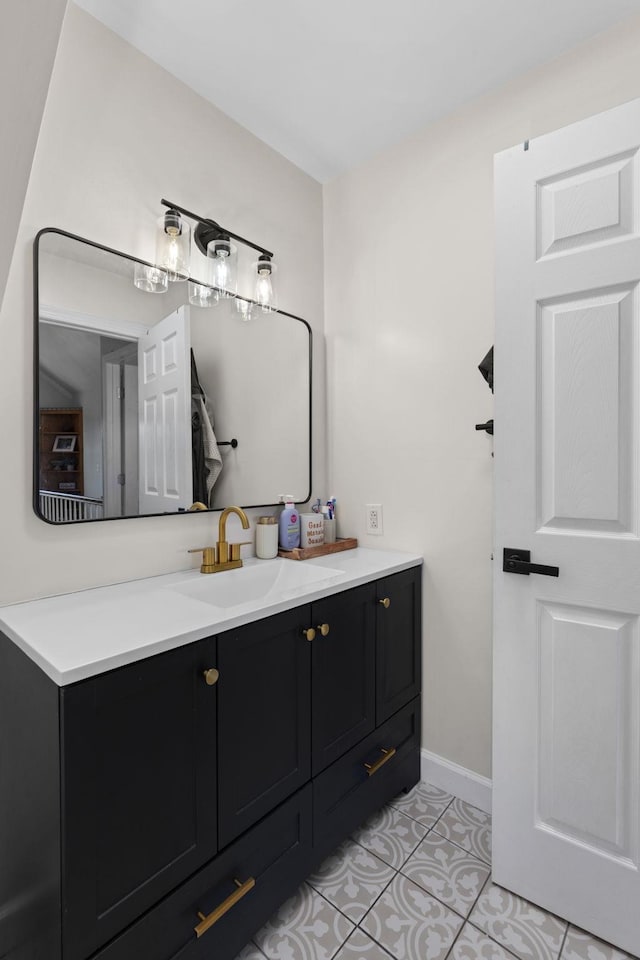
pixel 328 83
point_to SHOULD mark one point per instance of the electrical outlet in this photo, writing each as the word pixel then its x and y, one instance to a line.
pixel 374 518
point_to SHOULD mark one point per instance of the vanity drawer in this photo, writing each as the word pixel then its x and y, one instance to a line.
pixel 364 780
pixel 275 854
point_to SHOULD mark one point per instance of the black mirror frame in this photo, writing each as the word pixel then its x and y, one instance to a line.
pixel 36 389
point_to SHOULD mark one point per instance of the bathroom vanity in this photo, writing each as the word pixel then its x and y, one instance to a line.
pixel 184 750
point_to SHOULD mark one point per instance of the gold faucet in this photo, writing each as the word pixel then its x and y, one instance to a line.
pixel 224 556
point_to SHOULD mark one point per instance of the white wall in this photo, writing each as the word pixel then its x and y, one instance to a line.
pixel 409 315
pixel 118 134
pixel 53 394
pixel 248 371
pixel 28 41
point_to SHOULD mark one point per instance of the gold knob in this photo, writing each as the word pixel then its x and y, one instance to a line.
pixel 211 676
pixel 386 603
pixel 309 634
pixel 323 628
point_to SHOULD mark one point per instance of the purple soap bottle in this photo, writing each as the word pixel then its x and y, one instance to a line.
pixel 289 525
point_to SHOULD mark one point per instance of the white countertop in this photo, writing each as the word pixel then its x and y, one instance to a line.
pixel 79 635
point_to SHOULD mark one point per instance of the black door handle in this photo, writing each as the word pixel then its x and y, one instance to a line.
pixel 519 561
pixel 488 426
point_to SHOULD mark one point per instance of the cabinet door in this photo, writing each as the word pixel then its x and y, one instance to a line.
pixel 263 718
pixel 399 641
pixel 343 673
pixel 139 790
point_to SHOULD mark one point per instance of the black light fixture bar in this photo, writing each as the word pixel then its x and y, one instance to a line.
pixel 216 229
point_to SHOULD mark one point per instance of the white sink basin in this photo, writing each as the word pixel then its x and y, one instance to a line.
pixel 260 580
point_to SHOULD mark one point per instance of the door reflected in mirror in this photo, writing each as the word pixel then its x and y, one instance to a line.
pixel 146 405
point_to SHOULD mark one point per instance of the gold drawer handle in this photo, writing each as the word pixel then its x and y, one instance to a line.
pixel 225 906
pixel 309 633
pixel 211 676
pixel 372 768
pixel 386 603
pixel 324 629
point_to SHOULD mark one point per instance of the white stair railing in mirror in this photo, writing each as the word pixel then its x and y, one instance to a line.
pixel 63 507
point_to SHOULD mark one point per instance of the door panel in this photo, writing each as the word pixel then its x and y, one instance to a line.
pixel 566 787
pixel 399 640
pixel 264 718
pixel 592 204
pixel 588 786
pixel 343 673
pixel 587 476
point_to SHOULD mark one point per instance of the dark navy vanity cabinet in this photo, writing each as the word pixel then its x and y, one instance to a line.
pixel 166 808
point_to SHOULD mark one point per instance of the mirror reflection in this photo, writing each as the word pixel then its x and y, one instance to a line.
pixel 146 404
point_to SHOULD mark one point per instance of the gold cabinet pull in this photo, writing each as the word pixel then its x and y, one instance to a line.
pixel 309 633
pixel 372 768
pixel 386 603
pixel 226 905
pixel 211 676
pixel 324 629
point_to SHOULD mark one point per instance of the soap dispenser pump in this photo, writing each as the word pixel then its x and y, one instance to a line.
pixel 289 524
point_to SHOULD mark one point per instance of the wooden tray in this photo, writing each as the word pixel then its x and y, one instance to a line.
pixel 306 553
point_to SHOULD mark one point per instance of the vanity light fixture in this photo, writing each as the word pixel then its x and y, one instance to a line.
pixel 214 241
pixel 173 245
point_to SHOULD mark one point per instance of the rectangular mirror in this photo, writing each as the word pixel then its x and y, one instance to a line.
pixel 147 405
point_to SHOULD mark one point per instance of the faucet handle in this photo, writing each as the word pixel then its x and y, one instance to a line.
pixel 208 558
pixel 235 548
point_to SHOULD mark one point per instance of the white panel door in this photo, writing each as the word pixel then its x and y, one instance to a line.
pixel 164 410
pixel 567 409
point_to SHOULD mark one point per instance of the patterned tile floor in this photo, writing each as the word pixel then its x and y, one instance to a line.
pixel 414 883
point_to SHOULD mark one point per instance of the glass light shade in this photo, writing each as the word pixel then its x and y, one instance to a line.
pixel 264 293
pixel 223 266
pixel 150 279
pixel 173 245
pixel 201 295
pixel 244 308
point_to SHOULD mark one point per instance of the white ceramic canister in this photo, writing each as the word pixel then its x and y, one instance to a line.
pixel 266 538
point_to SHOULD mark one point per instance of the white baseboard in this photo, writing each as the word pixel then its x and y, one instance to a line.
pixel 469 786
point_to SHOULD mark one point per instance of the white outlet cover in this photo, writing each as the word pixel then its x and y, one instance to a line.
pixel 374 519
